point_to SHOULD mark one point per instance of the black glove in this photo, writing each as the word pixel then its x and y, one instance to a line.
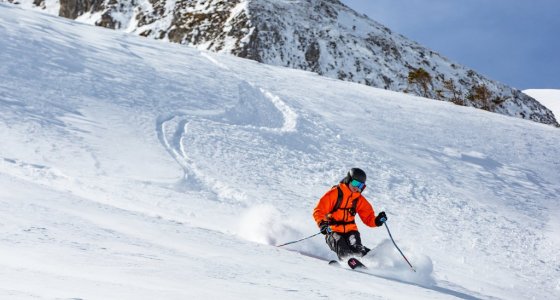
pixel 380 219
pixel 324 225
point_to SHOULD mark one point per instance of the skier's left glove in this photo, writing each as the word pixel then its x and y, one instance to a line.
pixel 380 219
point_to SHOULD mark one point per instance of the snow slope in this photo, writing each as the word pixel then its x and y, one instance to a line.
pixel 547 97
pixel 322 36
pixel 136 169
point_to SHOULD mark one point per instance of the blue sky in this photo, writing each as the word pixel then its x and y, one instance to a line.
pixel 516 42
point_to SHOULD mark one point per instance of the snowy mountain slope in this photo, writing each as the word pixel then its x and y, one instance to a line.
pixel 133 169
pixel 547 97
pixel 322 36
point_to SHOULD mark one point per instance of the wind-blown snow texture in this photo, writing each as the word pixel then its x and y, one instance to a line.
pixel 135 169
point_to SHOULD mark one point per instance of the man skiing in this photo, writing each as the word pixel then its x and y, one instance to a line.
pixel 336 210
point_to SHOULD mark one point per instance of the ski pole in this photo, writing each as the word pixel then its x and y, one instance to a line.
pixel 384 220
pixel 299 240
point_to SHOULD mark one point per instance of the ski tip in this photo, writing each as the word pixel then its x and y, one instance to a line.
pixel 334 262
pixel 355 263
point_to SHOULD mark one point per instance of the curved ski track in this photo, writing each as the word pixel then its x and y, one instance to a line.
pixel 172 128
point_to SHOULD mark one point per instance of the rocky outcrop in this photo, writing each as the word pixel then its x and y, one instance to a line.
pixel 322 36
pixel 74 8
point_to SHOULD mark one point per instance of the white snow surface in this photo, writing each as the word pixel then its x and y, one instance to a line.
pixel 322 36
pixel 138 169
pixel 547 97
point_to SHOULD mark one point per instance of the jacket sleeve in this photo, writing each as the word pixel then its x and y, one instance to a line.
pixel 324 206
pixel 366 212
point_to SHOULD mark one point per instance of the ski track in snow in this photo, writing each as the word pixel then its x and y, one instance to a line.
pixel 270 114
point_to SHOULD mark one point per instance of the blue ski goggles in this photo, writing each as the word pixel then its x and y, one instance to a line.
pixel 360 185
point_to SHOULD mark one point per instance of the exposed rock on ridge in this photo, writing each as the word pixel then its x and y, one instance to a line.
pixel 322 36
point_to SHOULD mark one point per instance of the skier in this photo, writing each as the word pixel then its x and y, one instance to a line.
pixel 336 210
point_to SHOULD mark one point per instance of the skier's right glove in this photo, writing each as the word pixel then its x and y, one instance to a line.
pixel 380 219
pixel 324 225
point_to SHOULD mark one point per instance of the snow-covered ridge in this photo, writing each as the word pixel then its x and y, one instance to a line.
pixel 547 97
pixel 322 36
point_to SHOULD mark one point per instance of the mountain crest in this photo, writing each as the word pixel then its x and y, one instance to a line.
pixel 321 36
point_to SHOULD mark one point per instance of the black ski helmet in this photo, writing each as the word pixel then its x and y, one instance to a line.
pixel 355 173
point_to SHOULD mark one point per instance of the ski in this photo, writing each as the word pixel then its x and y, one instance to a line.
pixel 356 264
pixel 353 263
pixel 334 263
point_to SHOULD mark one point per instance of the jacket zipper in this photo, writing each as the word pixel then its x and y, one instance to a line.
pixel 344 219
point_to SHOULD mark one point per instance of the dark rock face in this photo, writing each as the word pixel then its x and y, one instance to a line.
pixel 74 8
pixel 322 36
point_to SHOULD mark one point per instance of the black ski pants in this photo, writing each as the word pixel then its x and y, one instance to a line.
pixel 346 244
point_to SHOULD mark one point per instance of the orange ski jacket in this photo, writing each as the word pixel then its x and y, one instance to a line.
pixel 342 220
